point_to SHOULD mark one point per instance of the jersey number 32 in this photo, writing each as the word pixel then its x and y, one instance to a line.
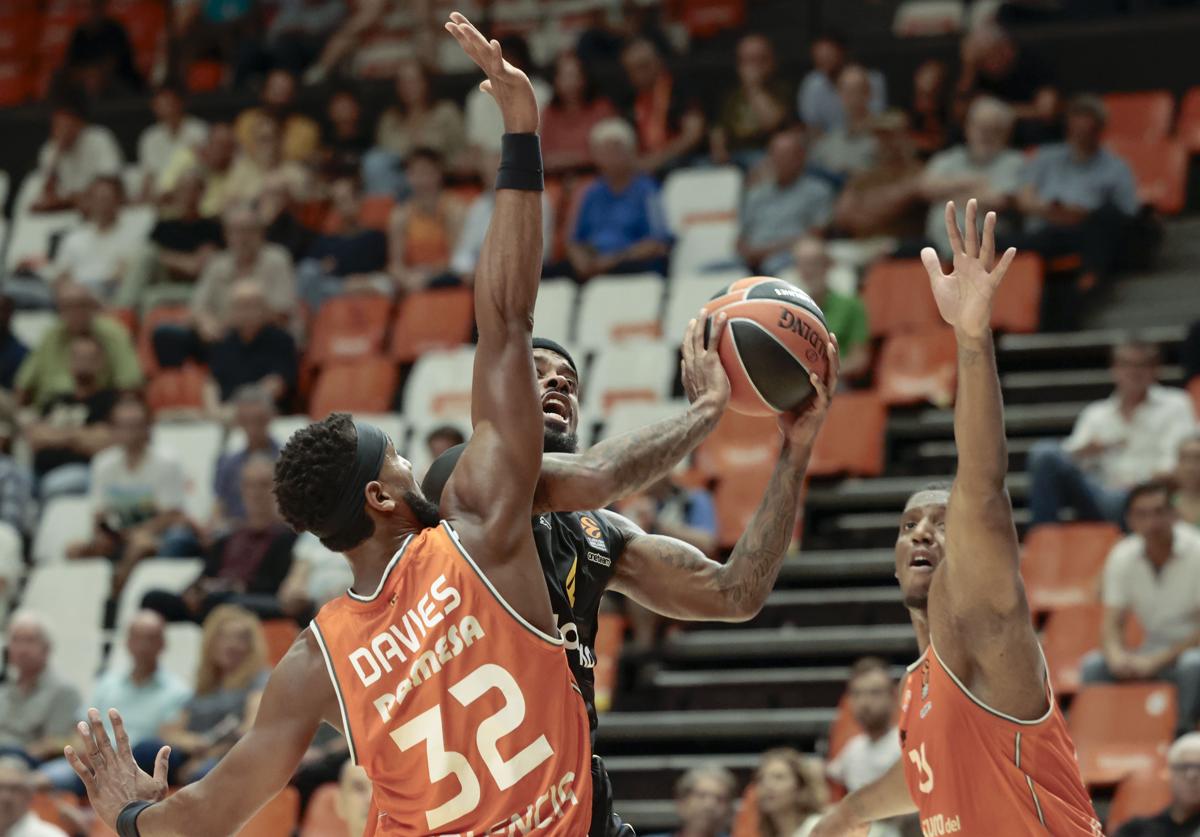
pixel 443 763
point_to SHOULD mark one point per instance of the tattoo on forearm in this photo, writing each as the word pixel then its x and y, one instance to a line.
pixel 754 564
pixel 638 457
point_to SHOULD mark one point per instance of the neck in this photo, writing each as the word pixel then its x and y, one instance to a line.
pixel 245 258
pixel 106 223
pixel 786 824
pixel 427 201
pixel 1083 152
pixel 619 181
pixel 878 732
pixel 134 453
pixel 1128 402
pixel 85 390
pixel 248 334
pixel 920 623
pixel 1159 548
pixel 28 679
pixel 143 671
pixel 370 560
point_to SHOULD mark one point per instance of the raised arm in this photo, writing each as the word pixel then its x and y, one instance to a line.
pixel 981 624
pixel 298 695
pixel 625 464
pixel 677 580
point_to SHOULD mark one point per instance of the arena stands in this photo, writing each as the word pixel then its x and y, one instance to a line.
pixel 241 187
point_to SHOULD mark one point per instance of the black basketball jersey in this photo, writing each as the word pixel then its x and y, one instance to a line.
pixel 579 553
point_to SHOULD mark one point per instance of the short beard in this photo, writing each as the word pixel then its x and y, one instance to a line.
pixel 559 441
pixel 423 509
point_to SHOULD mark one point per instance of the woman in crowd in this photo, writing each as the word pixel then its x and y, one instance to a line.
pixel 568 120
pixel 791 793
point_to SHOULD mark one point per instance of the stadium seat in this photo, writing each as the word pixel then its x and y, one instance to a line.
pixel 436 319
pixel 35 236
pixel 1017 304
pixel 635 370
pixel 1120 729
pixel 918 367
pixel 205 76
pixel 278 818
pixel 739 442
pixel 14 83
pixel 738 495
pixel 30 326
pixel 1071 633
pixel 1187 130
pixel 924 18
pixel 280 634
pixel 171 574
pixel 70 597
pixel 702 247
pixel 897 297
pixel 701 195
pixel 632 415
pixel 705 18
pixel 440 384
pixel 348 327
pixel 685 297
pixel 376 210
pixel 554 314
pixel 180 388
pixel 1143 793
pixel 365 385
pixel 196 446
pixel 18 32
pixel 851 440
pixel 1144 116
pixel 1061 563
pixel 322 819
pixel 1160 169
pixel 64 521
pixel 616 308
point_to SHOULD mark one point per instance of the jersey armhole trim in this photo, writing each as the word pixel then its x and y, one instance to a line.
pixel 962 687
pixel 337 689
pixel 557 642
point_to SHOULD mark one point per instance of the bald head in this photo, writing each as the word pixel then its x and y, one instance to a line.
pixel 145 640
pixel 934 495
pixel 854 87
pixel 1184 761
pixel 28 644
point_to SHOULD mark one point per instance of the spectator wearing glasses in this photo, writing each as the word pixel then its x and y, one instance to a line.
pixel 1182 817
pixel 704 802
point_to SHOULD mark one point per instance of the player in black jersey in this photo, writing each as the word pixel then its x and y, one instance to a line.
pixel 586 549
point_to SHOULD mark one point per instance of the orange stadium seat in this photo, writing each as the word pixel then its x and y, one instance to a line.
pixel 739 442
pixel 1017 305
pixel 737 496
pixel 14 83
pixel 1073 632
pixel 918 367
pixel 852 439
pixel 1119 729
pixel 1187 130
pixel 610 639
pixel 322 819
pixel 348 327
pixel 364 385
pixel 205 75
pixel 375 211
pixel 898 298
pixel 48 806
pixel 1061 563
pixel 18 34
pixel 442 318
pixel 180 388
pixel 280 634
pixel 1143 793
pixel 1144 116
pixel 278 818
pixel 1160 169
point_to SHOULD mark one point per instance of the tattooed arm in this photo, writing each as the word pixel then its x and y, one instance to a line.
pixel 626 464
pixel 677 580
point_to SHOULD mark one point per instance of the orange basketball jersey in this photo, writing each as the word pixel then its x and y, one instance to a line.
pixel 464 715
pixel 978 772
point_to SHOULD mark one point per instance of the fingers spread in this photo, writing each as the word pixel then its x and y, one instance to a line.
pixel 1005 261
pixel 971 229
pixel 120 734
pixel 103 745
pixel 952 231
pixel 81 768
pixel 987 247
pixel 933 265
pixel 161 762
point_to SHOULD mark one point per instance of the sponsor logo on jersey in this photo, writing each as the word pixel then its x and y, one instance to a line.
pixel 925 680
pixel 906 700
pixel 925 710
pixel 940 824
pixel 544 521
pixel 592 533
pixel 597 558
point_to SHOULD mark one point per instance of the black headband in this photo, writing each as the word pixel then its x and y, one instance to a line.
pixel 348 525
pixel 553 346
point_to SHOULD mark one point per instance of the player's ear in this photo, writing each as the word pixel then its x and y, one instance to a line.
pixel 378 498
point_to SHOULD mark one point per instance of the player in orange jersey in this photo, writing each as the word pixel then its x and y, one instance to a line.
pixel 442 665
pixel 985 750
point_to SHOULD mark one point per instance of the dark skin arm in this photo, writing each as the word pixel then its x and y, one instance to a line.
pixel 679 581
pixel 979 617
pixel 887 796
pixel 627 463
pixel 489 498
pixel 298 697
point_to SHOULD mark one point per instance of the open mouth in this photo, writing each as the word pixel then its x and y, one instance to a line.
pixel 921 561
pixel 557 407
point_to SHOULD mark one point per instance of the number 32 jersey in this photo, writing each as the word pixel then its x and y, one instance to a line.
pixel 465 717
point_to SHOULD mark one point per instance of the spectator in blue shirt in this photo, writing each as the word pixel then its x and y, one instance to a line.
pixel 353 259
pixel 621 227
pixel 820 104
pixel 253 411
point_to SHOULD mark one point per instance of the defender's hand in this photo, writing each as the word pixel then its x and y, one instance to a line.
pixel 800 429
pixel 704 378
pixel 964 296
pixel 508 85
pixel 111 777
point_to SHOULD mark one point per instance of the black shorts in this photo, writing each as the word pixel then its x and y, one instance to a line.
pixel 605 823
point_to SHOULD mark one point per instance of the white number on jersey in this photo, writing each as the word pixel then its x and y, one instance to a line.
pixel 443 763
pixel 924 772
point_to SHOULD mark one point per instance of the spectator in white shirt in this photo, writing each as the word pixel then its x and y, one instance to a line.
pixel 136 494
pixel 16 794
pixel 483 122
pixel 1153 575
pixel 74 155
pixel 172 130
pixel 1130 437
pixel 97 253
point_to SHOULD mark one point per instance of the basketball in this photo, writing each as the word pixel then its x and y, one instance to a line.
pixel 775 336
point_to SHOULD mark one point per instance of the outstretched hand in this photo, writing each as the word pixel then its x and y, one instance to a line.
pixel 111 777
pixel 800 428
pixel 507 84
pixel 704 380
pixel 964 296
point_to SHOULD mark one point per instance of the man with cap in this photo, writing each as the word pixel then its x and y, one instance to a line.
pixel 586 549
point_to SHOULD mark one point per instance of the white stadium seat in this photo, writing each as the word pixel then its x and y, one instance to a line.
pixel 921 18
pixel 170 574
pixel 684 300
pixel 699 195
pixel 555 310
pixel 70 597
pixel 634 414
pixel 33 236
pixel 636 370
pixel 440 384
pixel 417 453
pixel 282 428
pixel 30 326
pixel 138 220
pixel 64 521
pixel 616 308
pixel 704 248
pixel 195 445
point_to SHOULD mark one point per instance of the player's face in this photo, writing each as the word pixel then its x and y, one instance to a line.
pixel 706 808
pixel 920 546
pixel 558 387
pixel 777 787
pixel 1185 777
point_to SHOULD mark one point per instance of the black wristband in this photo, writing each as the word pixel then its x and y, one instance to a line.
pixel 127 819
pixel 520 163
